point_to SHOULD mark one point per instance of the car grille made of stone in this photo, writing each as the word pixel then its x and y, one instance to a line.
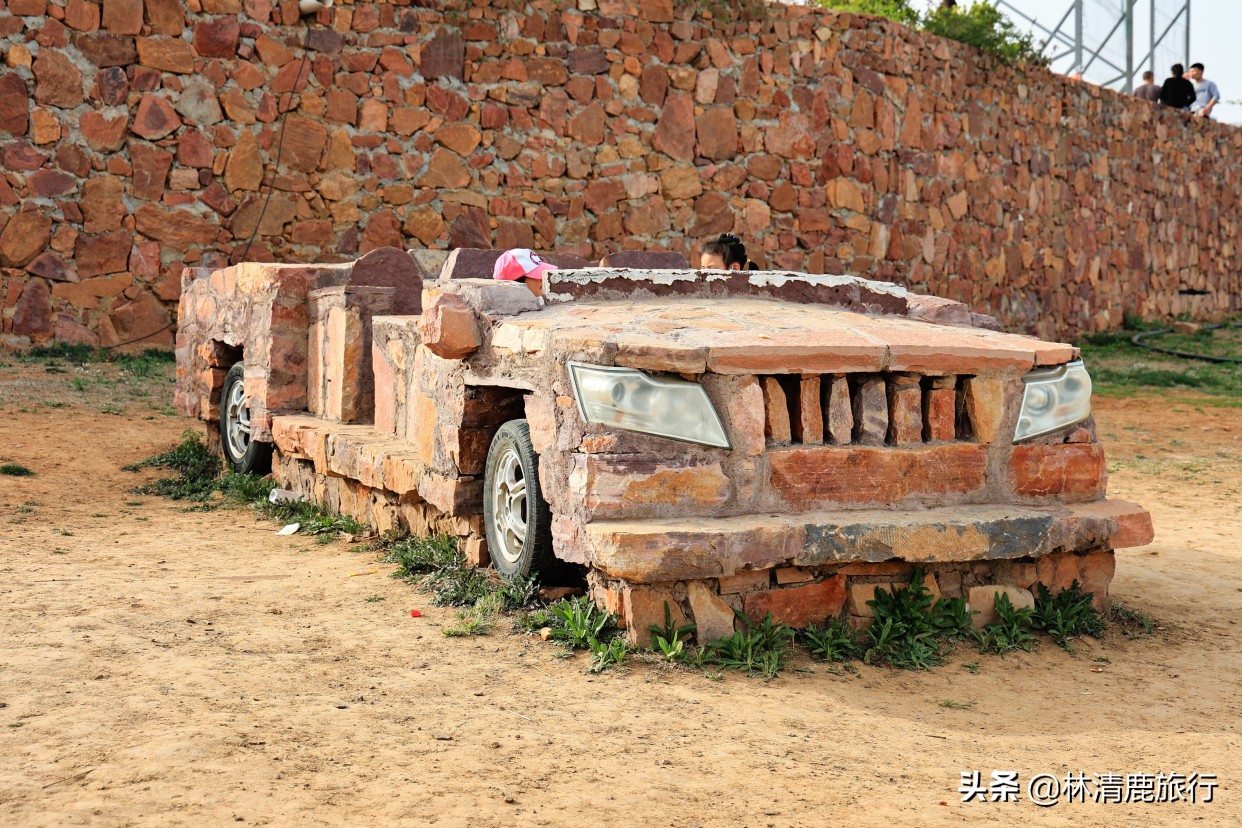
pixel 864 409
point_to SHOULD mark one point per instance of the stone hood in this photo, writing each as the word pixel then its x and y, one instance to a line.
pixel 757 335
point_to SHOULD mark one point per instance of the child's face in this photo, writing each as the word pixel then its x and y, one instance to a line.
pixel 712 261
pixel 535 285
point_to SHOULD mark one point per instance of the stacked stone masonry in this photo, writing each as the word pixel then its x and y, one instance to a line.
pixel 865 438
pixel 139 138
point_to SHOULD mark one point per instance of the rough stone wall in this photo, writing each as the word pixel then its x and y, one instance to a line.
pixel 138 137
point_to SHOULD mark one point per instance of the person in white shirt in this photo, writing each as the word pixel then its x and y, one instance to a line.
pixel 1207 96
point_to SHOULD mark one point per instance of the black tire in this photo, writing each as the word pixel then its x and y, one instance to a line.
pixel 242 454
pixel 512 457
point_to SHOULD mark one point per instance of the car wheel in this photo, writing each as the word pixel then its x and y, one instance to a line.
pixel 519 524
pixel 243 454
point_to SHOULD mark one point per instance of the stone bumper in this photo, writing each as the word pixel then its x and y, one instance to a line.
pixel 652 551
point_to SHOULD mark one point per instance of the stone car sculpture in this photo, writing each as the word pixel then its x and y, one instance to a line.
pixel 708 441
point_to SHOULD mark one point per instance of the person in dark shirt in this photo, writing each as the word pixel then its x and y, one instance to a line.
pixel 1148 91
pixel 1177 92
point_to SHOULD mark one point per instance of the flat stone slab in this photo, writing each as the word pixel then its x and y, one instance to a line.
pixel 650 551
pixel 747 335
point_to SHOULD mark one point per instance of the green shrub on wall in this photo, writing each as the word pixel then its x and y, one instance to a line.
pixel 985 27
pixel 982 26
pixel 899 10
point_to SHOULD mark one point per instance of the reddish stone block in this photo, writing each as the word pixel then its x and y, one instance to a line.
pixel 905 411
pixel 443 55
pixel 101 255
pixel 179 228
pixel 151 165
pixel 743 408
pixel 217 38
pixel 155 118
pixel 1097 570
pixel 88 293
pixel 982 599
pixel 1134 528
pixel 105 49
pixel 840 409
pixel 860 593
pixel 869 569
pixel 1024 575
pixel 808 477
pixel 717 133
pixel 660 355
pixel 194 149
pixel 101 204
pixel 72 332
pixel 1058 571
pixel 122 16
pixel 102 133
pixel 1074 471
pixel 385 391
pixel 32 313
pixel 811 418
pixel 449 328
pixel 798 607
pixel 44 128
pixel 870 401
pixel 27 8
pixel 985 406
pixel 49 266
pixel 777 426
pixel 940 410
pixel 635 486
pixel 170 54
pixel 713 617
pixel 82 15
pixel 24 237
pixel 57 81
pixel 475 549
pixel 165 16
pixel 143 318
pixel 747 580
pixel 643 606
pixel 793 575
pixel 50 183
pixel 14 104
pixel 467 448
pixel 675 131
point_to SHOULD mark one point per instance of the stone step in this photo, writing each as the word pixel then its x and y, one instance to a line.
pixel 652 551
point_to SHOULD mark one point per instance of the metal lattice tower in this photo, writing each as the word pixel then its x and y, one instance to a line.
pixel 1096 38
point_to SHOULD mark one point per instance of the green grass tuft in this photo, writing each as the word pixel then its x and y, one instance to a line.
pixel 1120 368
pixel 196 469
pixel 15 470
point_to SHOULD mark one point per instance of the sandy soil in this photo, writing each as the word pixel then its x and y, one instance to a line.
pixel 164 667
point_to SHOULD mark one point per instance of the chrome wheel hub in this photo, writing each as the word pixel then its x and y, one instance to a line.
pixel 509 505
pixel 237 418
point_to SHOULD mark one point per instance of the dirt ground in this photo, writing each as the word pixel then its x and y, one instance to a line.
pixel 165 667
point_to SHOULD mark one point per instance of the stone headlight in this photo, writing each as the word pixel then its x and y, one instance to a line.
pixel 627 398
pixel 1053 399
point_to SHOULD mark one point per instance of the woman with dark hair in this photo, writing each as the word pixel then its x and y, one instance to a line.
pixel 726 253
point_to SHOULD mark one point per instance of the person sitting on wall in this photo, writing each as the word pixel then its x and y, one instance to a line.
pixel 522 265
pixel 1207 95
pixel 726 253
pixel 1177 92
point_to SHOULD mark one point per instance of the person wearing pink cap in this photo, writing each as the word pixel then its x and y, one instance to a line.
pixel 522 265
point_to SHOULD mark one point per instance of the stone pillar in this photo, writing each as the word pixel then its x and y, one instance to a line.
pixel 340 381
